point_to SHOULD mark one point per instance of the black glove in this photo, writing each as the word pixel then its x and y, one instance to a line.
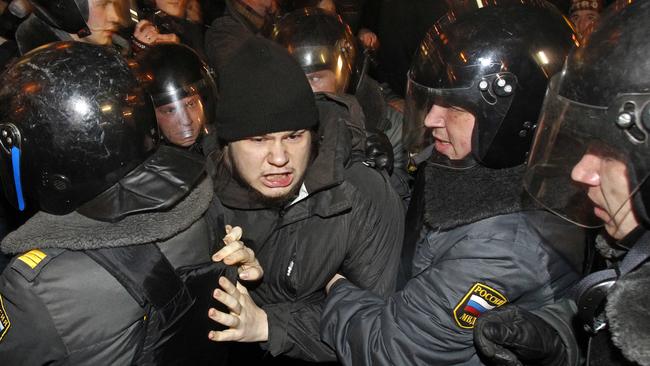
pixel 512 336
pixel 379 151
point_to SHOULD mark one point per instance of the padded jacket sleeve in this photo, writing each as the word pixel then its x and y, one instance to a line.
pixel 419 325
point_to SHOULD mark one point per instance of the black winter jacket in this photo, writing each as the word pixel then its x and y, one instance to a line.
pixel 480 248
pixel 59 306
pixel 351 222
pixel 229 32
pixel 623 340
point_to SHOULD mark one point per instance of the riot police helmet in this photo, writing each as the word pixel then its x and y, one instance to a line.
pixel 183 92
pixel 598 109
pixel 494 60
pixel 73 122
pixel 323 45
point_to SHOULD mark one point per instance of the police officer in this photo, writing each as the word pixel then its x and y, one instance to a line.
pixel 115 269
pixel 327 52
pixel 183 92
pixel 590 165
pixel 89 21
pixel 475 89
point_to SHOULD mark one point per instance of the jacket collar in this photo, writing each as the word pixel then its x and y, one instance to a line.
pixel 77 232
pixel 458 197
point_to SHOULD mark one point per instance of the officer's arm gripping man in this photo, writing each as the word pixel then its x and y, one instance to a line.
pixel 417 326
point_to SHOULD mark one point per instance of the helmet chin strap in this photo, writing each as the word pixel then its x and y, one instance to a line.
pixel 15 162
pixel 640 210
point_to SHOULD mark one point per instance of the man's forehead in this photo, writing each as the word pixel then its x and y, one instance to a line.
pixel 280 133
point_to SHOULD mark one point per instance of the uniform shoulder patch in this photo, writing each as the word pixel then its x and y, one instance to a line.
pixel 32 258
pixel 479 299
pixel 5 324
pixel 30 264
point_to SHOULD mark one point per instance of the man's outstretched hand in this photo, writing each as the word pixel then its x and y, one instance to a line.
pixel 235 253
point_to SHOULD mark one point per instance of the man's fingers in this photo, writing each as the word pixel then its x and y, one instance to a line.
pixel 228 320
pixel 251 273
pixel 241 257
pixel 224 335
pixel 229 287
pixel 231 302
pixel 227 251
pixel 232 234
pixel 244 256
pixel 241 289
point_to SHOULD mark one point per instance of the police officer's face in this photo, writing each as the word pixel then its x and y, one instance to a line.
pixel 104 19
pixel 322 81
pixel 273 164
pixel 175 8
pixel 608 187
pixel 181 122
pixel 584 21
pixel 452 130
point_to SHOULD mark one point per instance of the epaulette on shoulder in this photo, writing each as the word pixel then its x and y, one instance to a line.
pixel 31 263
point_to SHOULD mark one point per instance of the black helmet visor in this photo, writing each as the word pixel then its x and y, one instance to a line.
pixel 487 97
pixel 579 164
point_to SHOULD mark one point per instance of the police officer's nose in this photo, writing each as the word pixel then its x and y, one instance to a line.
pixel 436 117
pixel 587 171
pixel 185 117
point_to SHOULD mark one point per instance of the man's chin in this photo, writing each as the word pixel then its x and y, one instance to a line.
pixel 276 197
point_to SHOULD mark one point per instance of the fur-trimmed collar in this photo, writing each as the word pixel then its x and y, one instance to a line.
pixel 77 232
pixel 627 312
pixel 455 197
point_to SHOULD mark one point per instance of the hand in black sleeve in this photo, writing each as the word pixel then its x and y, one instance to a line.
pixel 379 151
pixel 512 336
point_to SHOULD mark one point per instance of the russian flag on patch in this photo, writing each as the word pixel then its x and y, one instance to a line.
pixel 476 306
pixel 479 299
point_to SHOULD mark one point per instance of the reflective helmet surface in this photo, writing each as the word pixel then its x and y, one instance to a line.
pixel 599 105
pixel 493 59
pixel 319 40
pixel 73 121
pixel 182 89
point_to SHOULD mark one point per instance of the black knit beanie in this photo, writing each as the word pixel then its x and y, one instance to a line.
pixel 263 90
